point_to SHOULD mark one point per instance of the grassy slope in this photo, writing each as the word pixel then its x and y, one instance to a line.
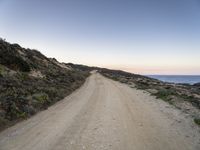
pixel 30 82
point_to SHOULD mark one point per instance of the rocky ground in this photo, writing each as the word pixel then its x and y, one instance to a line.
pixel 30 82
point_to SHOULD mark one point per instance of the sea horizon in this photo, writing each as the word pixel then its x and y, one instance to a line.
pixel 184 79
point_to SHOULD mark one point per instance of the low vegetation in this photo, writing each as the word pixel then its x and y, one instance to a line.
pixel 30 82
pixel 197 121
pixel 165 94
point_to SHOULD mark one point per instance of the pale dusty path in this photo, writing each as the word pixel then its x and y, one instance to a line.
pixel 104 114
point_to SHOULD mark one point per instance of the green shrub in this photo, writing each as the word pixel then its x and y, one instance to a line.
pixel 23 76
pixel 184 96
pixel 21 115
pixel 115 78
pixel 142 85
pixel 165 94
pixel 1 70
pixel 9 59
pixel 14 112
pixel 23 66
pixel 42 98
pixel 192 99
pixel 197 121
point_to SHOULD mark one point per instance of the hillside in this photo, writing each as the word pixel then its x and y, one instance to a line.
pixel 113 109
pixel 30 82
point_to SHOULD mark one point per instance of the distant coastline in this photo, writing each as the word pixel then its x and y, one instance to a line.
pixel 188 79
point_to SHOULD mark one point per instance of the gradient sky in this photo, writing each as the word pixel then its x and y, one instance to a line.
pixel 141 36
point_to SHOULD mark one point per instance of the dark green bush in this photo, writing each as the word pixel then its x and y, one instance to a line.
pixel 197 121
pixel 165 94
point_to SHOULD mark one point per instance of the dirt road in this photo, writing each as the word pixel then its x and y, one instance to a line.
pixel 105 115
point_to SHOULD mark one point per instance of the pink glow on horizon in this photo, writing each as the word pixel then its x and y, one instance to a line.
pixel 146 70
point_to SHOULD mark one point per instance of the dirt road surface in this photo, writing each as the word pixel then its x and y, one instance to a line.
pixel 105 115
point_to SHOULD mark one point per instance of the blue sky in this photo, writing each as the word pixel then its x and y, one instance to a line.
pixel 141 36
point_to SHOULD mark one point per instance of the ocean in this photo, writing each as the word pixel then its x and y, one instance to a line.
pixel 190 79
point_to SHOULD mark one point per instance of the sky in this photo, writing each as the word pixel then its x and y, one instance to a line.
pixel 139 36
